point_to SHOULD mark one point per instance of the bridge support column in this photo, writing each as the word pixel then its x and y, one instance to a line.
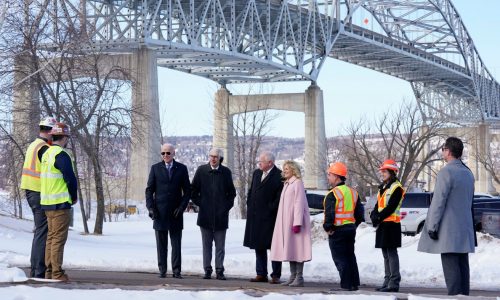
pixel 315 139
pixel 223 126
pixel 146 131
pixel 310 102
pixel 484 181
pixel 26 110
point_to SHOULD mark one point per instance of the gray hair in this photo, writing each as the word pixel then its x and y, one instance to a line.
pixel 268 155
pixel 216 151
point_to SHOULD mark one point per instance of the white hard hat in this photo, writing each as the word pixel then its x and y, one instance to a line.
pixel 48 122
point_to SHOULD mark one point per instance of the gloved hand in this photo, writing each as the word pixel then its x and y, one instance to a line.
pixel 74 201
pixel 151 214
pixel 375 217
pixel 433 234
pixel 296 229
pixel 178 211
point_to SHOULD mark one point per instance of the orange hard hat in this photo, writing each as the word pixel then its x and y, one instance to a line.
pixel 338 168
pixel 389 164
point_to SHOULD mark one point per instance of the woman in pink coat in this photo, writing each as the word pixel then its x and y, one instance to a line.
pixel 292 230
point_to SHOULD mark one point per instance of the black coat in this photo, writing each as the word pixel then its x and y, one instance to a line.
pixel 388 233
pixel 263 200
pixel 213 191
pixel 164 195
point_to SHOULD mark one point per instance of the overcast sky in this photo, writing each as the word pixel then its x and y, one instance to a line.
pixel 350 92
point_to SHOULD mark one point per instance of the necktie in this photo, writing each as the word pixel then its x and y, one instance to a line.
pixel 264 174
pixel 169 171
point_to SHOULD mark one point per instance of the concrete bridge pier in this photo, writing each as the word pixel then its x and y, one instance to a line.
pixel 310 103
pixel 484 181
pixel 26 103
pixel 223 126
pixel 315 139
pixel 146 130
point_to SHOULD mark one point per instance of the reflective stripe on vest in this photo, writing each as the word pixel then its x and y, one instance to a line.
pixel 53 187
pixel 383 199
pixel 30 178
pixel 345 203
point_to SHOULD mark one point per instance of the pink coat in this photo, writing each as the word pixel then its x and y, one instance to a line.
pixel 293 210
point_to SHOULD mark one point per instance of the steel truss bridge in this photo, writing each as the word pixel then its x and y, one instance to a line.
pixel 423 42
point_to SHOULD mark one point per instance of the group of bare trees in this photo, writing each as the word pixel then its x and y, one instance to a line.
pixel 57 73
pixel 400 134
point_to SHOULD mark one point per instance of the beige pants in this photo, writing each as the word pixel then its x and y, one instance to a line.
pixel 58 223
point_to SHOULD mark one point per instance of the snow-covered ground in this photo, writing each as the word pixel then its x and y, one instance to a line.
pixel 129 245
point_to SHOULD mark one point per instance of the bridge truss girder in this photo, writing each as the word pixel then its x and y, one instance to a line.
pixel 424 42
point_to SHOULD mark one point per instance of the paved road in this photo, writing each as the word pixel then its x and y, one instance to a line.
pixel 85 279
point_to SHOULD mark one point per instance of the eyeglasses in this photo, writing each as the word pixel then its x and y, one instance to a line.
pixel 167 153
pixel 444 148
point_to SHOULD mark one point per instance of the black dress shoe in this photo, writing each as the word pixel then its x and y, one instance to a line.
pixel 177 275
pixel 380 288
pixel 389 290
pixel 220 276
pixel 208 275
pixel 162 275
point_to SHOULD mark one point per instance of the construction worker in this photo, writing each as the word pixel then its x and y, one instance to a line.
pixel 343 213
pixel 58 194
pixel 30 182
pixel 385 216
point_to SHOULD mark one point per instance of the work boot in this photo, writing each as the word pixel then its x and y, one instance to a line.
pixel 299 279
pixel 293 273
pixel 62 278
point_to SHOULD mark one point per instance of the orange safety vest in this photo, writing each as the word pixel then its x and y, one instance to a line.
pixel 383 199
pixel 30 178
pixel 345 203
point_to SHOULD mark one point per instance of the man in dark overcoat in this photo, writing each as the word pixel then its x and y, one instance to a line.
pixel 262 207
pixel 213 191
pixel 167 195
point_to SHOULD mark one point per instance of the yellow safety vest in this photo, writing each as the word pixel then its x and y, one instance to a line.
pixel 54 189
pixel 383 199
pixel 345 203
pixel 30 178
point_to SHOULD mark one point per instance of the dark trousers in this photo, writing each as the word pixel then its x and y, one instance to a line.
pixel 391 266
pixel 261 264
pixel 39 237
pixel 162 249
pixel 208 237
pixel 341 244
pixel 456 272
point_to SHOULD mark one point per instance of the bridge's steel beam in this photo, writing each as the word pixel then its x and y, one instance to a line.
pixel 295 36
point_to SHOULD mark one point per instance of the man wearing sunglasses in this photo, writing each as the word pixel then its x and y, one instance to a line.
pixel 167 196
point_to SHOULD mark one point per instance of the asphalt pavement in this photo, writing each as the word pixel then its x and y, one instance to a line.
pixel 88 279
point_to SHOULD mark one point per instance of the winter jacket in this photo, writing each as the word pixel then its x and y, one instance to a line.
pixel 262 206
pixel 329 210
pixel 293 210
pixel 164 195
pixel 213 191
pixel 388 233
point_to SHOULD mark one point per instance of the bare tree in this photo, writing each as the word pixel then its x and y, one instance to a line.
pixel 91 102
pixel 76 84
pixel 401 135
